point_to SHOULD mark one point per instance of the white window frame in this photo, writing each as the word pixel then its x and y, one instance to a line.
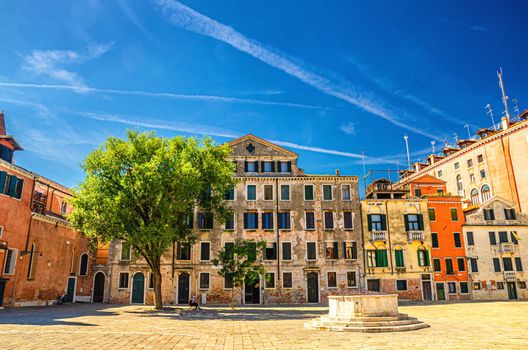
pixel 305 221
pixel 333 220
pixel 328 280
pixel 406 285
pixel 355 279
pixel 200 280
pixel 447 285
pixel 468 161
pixel 460 289
pixel 234 223
pixel 349 192
pixel 289 193
pixel 272 192
pixel 150 276
pixel 326 246
pixel 316 253
pixel 282 280
pixel 234 196
pixel 353 217
pixel 291 250
pixel 313 192
pixel 440 173
pixel 331 192
pixel 1 231
pixel 270 162
pixel 121 252
pixel 456 165
pixel 266 281
pixel 344 252
pixel 210 246
pixel 247 193
pixel 14 258
pixel 119 281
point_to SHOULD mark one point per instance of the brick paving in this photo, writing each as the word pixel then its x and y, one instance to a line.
pixel 95 326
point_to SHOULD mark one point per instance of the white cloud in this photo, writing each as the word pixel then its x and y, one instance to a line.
pixel 348 128
pixel 478 28
pixel 329 83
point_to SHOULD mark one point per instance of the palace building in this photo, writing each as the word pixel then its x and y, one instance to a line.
pixel 311 225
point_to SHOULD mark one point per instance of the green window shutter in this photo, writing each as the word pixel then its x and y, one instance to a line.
pixel 420 222
pixel 12 186
pixel 245 166
pixel 336 250
pixel 256 166
pixel 406 219
pixel 381 258
pixel 369 219
pixel 262 166
pixel 19 187
pixel 272 167
pixel 383 222
pixel 289 167
pixel 3 178
pixel 278 166
pixel 398 254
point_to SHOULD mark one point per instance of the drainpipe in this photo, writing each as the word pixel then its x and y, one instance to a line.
pixel 389 238
pixel 362 246
pixel 279 280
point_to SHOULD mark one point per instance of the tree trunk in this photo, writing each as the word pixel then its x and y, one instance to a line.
pixel 158 301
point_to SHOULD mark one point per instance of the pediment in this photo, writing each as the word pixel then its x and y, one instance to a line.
pixel 253 146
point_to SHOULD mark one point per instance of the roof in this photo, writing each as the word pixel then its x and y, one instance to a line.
pixel 429 179
pixel 3 133
pixel 264 142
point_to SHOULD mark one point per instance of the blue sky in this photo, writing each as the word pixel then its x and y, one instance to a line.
pixel 327 79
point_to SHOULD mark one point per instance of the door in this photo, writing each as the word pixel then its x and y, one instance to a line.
pixel 440 291
pixel 70 291
pixel 252 292
pixel 313 287
pixel 138 288
pixel 373 285
pixel 98 290
pixel 183 288
pixel 427 292
pixel 2 289
pixel 512 290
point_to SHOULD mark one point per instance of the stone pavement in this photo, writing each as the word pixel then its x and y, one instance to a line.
pixel 473 325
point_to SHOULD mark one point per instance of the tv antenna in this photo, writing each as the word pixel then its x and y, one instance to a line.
pixel 455 138
pixel 490 113
pixel 469 133
pixel 516 106
pixel 406 138
pixel 433 142
pixel 504 97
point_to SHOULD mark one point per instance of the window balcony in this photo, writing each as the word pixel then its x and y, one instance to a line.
pixel 506 248
pixel 378 235
pixel 509 276
pixel 415 236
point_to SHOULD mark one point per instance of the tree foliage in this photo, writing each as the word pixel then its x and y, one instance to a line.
pixel 144 189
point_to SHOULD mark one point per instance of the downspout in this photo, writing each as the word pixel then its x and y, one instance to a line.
pixel 279 280
pixel 31 217
pixel 363 247
pixel 388 237
pixel 509 165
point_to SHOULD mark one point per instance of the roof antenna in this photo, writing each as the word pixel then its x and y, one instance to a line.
pixel 504 97
pixel 469 133
pixel 490 113
pixel 433 142
pixel 456 138
pixel 363 158
pixel 516 106
pixel 406 138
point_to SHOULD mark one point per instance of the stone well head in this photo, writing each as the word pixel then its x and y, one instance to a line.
pixel 375 305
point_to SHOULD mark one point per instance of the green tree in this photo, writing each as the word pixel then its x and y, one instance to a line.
pixel 240 264
pixel 144 189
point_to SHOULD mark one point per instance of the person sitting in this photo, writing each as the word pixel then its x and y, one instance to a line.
pixel 194 303
pixel 61 299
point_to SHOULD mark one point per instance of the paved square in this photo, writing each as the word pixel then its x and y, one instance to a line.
pixel 473 325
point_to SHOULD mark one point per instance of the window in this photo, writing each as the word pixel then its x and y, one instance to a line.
pixel 10 261
pixel 436 265
pixel 456 165
pixel 449 266
pixel 518 264
pixel 423 257
pixel 205 221
pixel 513 235
pixel 268 192
pixel 377 258
pixel 151 280
pixel 492 239
pixel 460 184
pixel 451 287
pixel 351 279
pixel 457 240
pixel 285 192
pixel 401 284
pixel 413 222
pixel 268 167
pixel 286 251
pixel 285 167
pixel 477 286
pixel 270 252
pixel 1 231
pixel 432 214
pixel 434 240
pixel 377 222
pixel 311 251
pixel 328 220
pixel 230 221
pixel 345 192
pixel 310 220
pixel 332 250
pixel 398 258
pixel 483 174
pixel 470 163
pixel 250 221
pixel 350 250
pixel 480 158
pixel 183 251
pixel 270 280
pixel 6 153
pixel 440 173
pixel 251 192
pixel 251 167
pixel 123 280
pixel 267 220
pixel 507 263
pixel 308 192
pixel 332 279
pixel 503 237
pixel 472 178
pixel 64 207
pixel 252 254
pixel 461 265
pixel 327 192
pixel 11 185
pixel 230 195
pixel 470 238
pixel 228 281
pixel 417 192
pixel 489 214
pixel 474 196
pixel 204 280
pixel 287 280
pixel 348 222
pixel 474 264
pixel 125 251
pixel 509 214
pixel 205 251
pixel 32 262
pixel 454 214
pixel 83 265
pixel 486 193
pixel 522 284
pixel 284 220
pixel 500 285
pixel 496 265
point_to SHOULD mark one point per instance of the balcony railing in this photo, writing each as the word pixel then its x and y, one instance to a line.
pixel 506 248
pixel 415 236
pixel 509 276
pixel 378 235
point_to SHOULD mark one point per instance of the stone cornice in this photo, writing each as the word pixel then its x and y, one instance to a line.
pixel 304 178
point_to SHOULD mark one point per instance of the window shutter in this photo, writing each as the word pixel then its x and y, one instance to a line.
pixel 406 218
pixel 256 166
pixel 272 167
pixel 245 220
pixel 3 178
pixel 513 238
pixel 354 250
pixel 245 166
pixel 336 249
pixel 275 256
pixel 262 166
pixel 278 166
pixel 289 167
pixel 426 258
pixel 12 185
pixel 493 240
pixel 369 219
pixel 420 222
pixel 496 264
pixel 383 222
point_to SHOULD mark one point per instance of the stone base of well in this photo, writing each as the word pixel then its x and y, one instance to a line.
pixel 365 313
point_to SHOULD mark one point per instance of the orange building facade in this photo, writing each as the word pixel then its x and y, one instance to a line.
pixel 446 218
pixel 41 256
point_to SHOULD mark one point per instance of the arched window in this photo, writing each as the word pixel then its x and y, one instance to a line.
pixel 460 185
pixel 486 193
pixel 31 261
pixel 83 265
pixel 474 196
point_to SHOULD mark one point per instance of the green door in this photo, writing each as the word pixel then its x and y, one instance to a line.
pixel 138 288
pixel 440 291
pixel 70 292
pixel 512 291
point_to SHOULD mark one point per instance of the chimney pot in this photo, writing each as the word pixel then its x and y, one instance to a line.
pixel 337 172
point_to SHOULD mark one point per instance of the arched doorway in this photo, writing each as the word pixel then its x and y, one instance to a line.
pixel 98 289
pixel 183 288
pixel 138 288
pixel 312 280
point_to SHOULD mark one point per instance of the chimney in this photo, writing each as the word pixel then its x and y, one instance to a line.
pixel 2 124
pixel 337 172
pixel 505 122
